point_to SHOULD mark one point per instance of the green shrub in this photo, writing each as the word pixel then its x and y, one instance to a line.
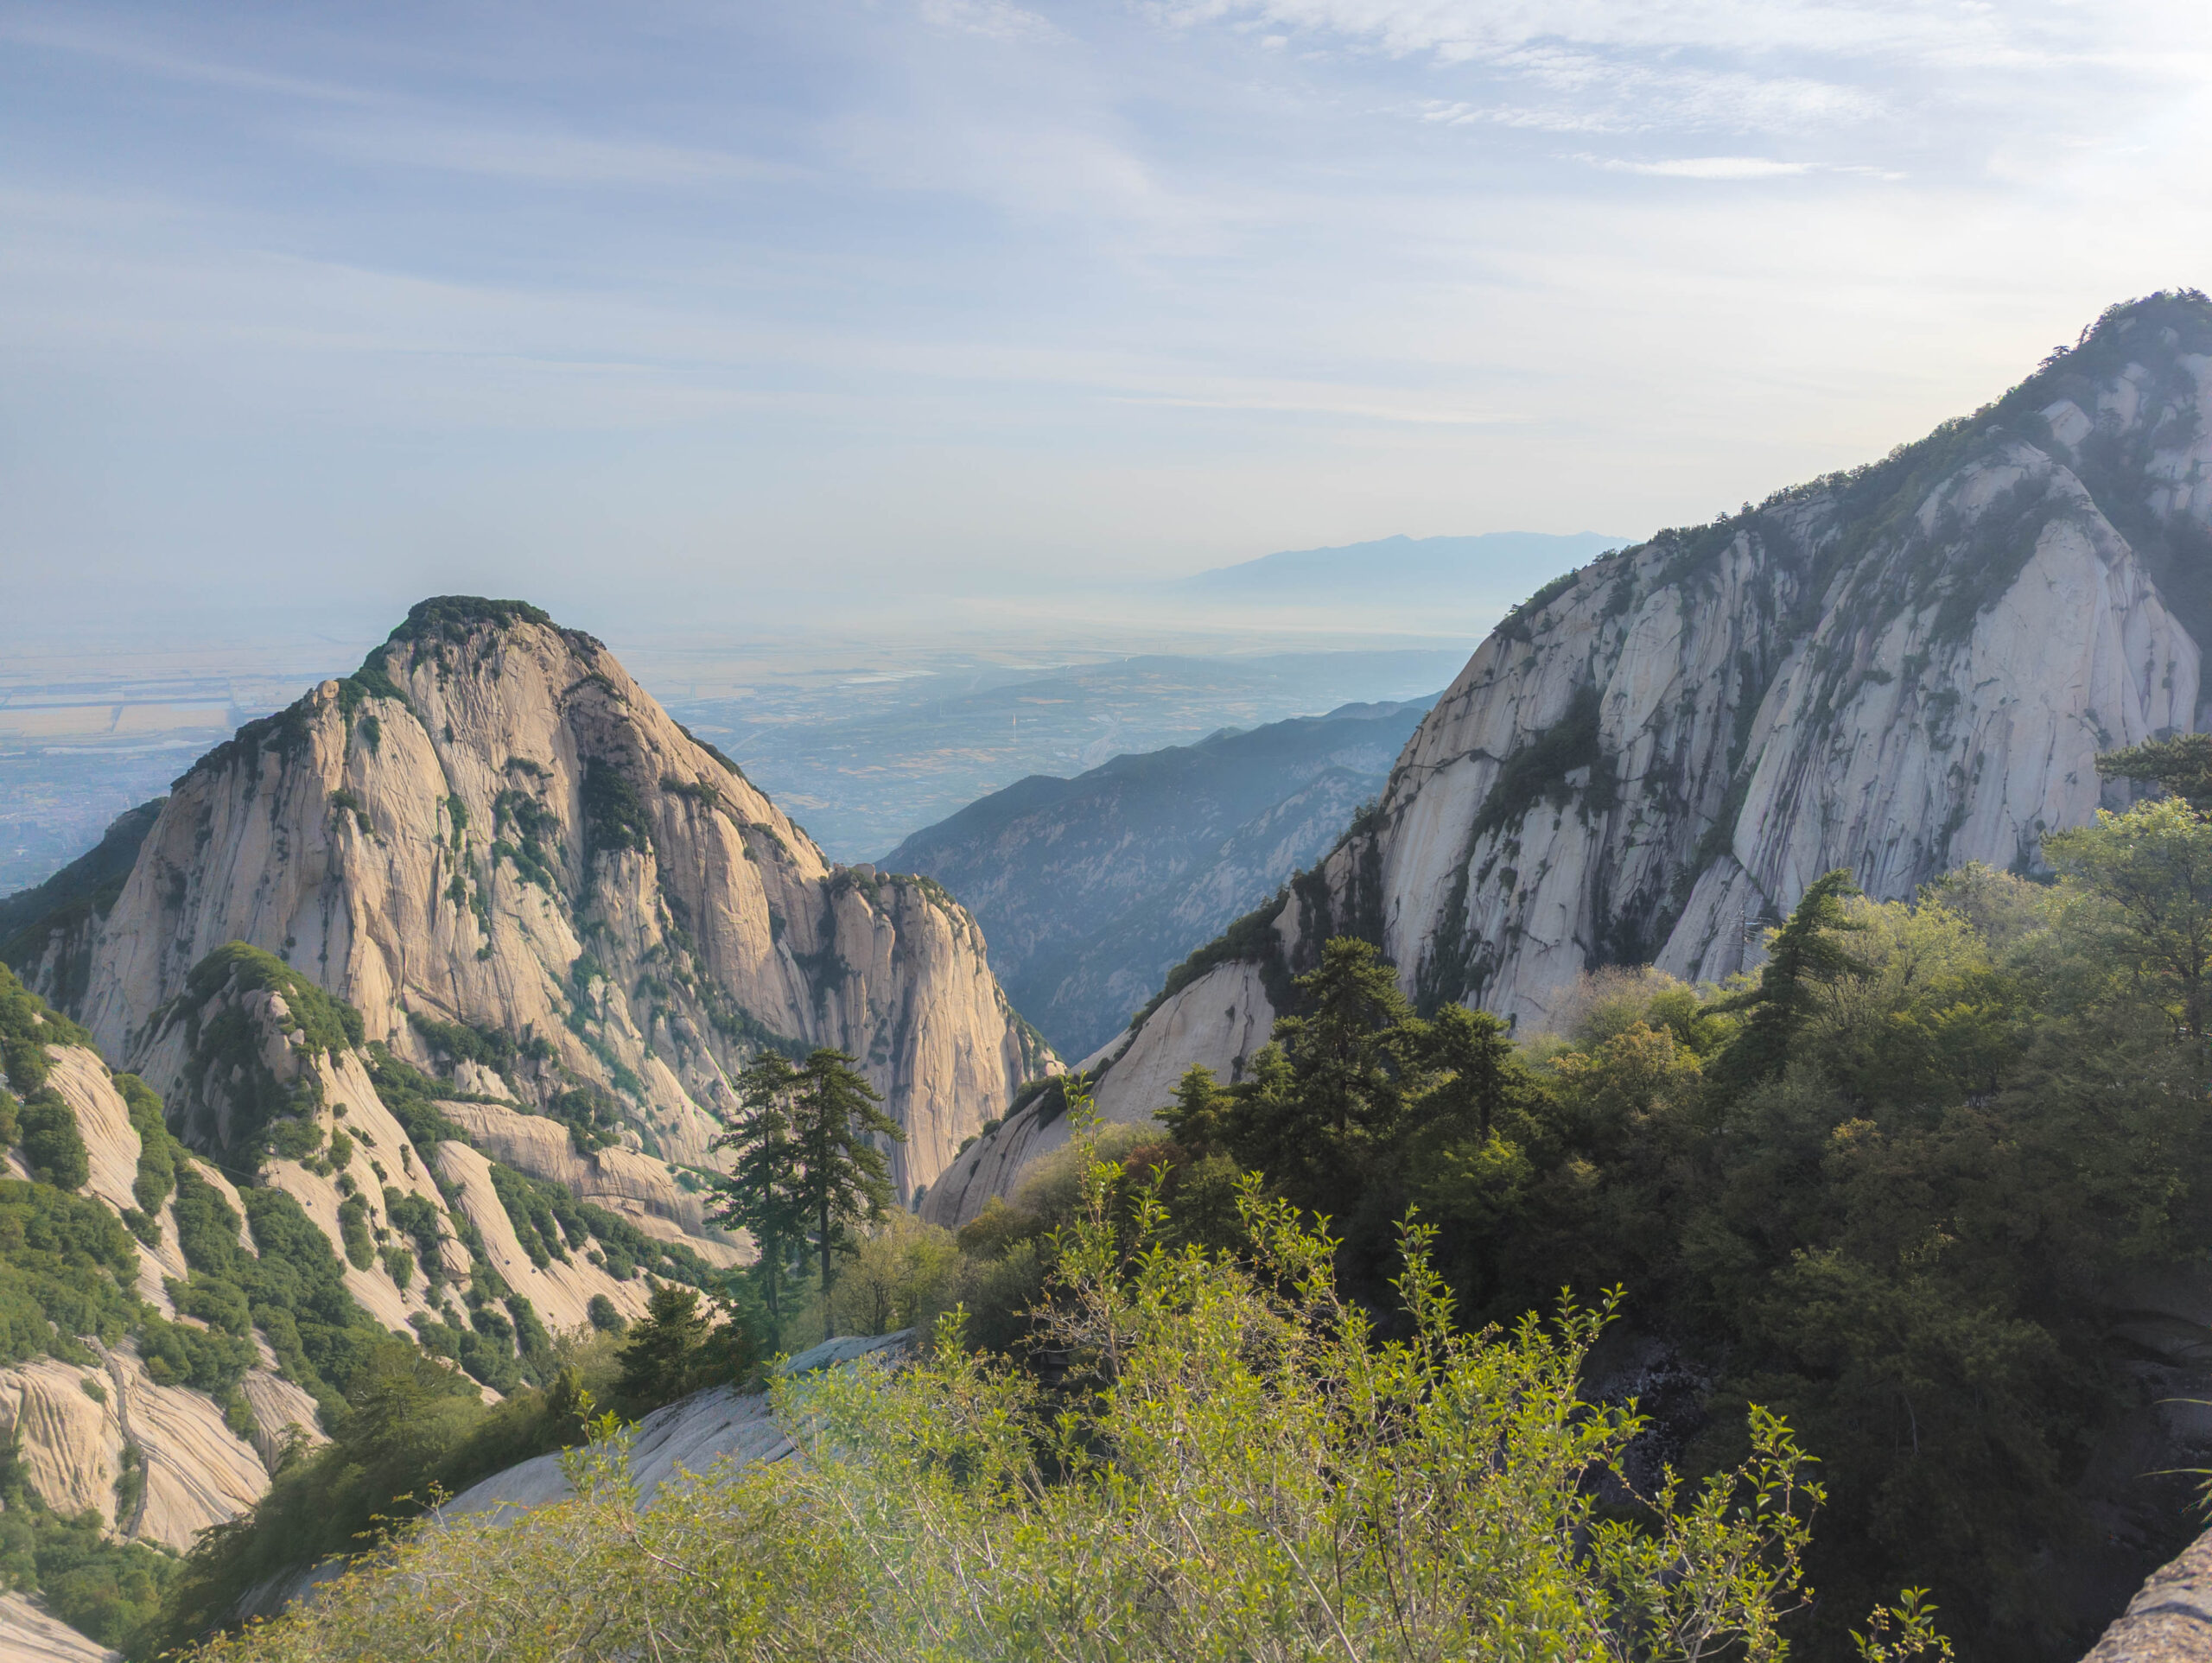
pixel 353 1231
pixel 27 1027
pixel 399 1265
pixel 292 1140
pixel 207 1359
pixel 1235 1469
pixel 51 1143
pixel 615 817
pixel 66 1268
pixel 905 1274
pixel 158 1151
pixel 419 1221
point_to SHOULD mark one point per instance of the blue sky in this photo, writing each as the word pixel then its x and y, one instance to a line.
pixel 699 307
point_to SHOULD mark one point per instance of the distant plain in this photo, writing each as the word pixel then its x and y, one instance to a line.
pixel 866 720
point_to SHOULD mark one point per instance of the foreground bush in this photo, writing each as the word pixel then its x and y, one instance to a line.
pixel 1231 1466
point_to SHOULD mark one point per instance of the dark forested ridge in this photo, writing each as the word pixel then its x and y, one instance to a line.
pixel 1090 889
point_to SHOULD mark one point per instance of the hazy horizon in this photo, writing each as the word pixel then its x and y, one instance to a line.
pixel 738 314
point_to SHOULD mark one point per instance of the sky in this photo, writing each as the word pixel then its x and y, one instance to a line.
pixel 699 311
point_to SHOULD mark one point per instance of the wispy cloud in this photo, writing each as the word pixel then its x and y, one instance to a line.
pixel 145 54
pixel 538 154
pixel 1464 30
pixel 994 20
pixel 1710 167
pixel 1745 67
pixel 1337 403
pixel 898 280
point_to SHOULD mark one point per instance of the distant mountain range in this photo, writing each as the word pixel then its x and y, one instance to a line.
pixel 1090 889
pixel 1491 571
pixel 911 753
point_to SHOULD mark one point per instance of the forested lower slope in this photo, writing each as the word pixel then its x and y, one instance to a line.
pixel 1922 1203
pixel 193 1293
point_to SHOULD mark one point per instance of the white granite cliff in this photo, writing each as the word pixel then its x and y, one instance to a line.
pixel 1898 671
pixel 494 825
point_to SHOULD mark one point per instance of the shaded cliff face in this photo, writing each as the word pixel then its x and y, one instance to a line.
pixel 500 850
pixel 1899 670
pixel 1093 888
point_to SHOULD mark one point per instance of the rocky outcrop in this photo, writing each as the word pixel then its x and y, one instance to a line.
pixel 2170 1620
pixel 1897 670
pixel 1217 1020
pixel 1092 889
pixel 643 1189
pixel 28 1634
pixel 498 848
pixel 684 1438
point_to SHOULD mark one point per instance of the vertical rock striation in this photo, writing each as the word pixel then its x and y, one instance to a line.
pixel 1897 670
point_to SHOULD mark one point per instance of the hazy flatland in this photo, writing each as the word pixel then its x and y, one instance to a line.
pixel 874 761
pixel 864 739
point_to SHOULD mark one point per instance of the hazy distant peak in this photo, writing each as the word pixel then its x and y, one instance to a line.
pixel 1379 711
pixel 1395 565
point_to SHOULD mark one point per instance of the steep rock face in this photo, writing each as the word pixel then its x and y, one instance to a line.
pixel 1093 888
pixel 492 827
pixel 1895 670
pixel 1898 671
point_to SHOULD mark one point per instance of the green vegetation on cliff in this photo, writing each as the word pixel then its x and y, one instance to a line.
pixel 1901 1187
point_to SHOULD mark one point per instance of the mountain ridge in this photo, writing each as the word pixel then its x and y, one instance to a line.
pixel 1898 668
pixel 1401 566
pixel 501 850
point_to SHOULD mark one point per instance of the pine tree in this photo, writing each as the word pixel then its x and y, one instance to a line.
pixel 2182 765
pixel 1346 1074
pixel 761 1193
pixel 1804 953
pixel 658 1362
pixel 843 1179
pixel 1195 1119
pixel 1470 1053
